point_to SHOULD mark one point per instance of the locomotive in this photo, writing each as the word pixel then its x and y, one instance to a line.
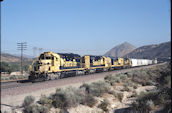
pixel 50 65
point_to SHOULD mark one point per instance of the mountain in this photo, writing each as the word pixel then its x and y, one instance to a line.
pixel 6 57
pixel 120 50
pixel 162 50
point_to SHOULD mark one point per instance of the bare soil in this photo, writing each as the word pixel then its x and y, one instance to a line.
pixel 13 97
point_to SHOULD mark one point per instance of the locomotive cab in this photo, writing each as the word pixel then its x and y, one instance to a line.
pixel 45 62
pixel 42 66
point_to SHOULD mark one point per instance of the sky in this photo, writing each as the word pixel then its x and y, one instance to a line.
pixel 83 26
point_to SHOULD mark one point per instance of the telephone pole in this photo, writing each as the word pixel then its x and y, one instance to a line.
pixel 40 50
pixel 34 52
pixel 21 47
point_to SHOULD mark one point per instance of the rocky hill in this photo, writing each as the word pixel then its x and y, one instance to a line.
pixel 120 50
pixel 5 57
pixel 162 50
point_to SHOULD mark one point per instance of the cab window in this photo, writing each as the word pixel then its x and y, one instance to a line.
pixel 41 56
pixel 47 57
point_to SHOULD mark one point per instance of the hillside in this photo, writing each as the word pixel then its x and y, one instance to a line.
pixel 162 50
pixel 5 57
pixel 120 50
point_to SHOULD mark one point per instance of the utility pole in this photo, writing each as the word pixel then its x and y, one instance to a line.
pixel 34 51
pixel 40 50
pixel 21 47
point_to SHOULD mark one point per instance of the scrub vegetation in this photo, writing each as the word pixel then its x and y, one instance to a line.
pixel 93 94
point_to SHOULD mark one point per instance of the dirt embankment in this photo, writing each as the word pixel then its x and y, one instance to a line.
pixel 15 96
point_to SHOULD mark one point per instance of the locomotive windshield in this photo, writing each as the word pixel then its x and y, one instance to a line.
pixel 45 57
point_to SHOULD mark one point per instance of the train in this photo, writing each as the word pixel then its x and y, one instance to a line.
pixel 50 65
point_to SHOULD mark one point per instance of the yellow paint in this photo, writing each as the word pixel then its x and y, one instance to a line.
pixel 51 62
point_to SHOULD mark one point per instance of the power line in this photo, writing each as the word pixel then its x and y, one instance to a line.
pixel 21 47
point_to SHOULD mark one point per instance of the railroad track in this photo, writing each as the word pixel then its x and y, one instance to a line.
pixel 22 83
pixel 14 84
pixel 6 81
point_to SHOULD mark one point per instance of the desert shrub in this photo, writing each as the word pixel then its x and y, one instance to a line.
pixel 7 78
pixel 117 80
pixel 96 88
pixel 123 77
pixel 128 83
pixel 89 100
pixel 141 77
pixel 43 109
pixel 70 97
pixel 167 108
pixel 75 96
pixel 111 92
pixel 112 79
pixel 149 104
pixel 135 86
pixel 134 94
pixel 103 105
pixel 108 77
pixel 45 101
pixel 168 80
pixel 159 97
pixel 5 67
pixel 22 76
pixel 59 100
pixel 28 100
pixel 158 76
pixel 13 77
pixel 129 74
pixel 119 96
pixel 33 108
pixel 125 88
pixel 150 82
pixel 143 107
pixel 63 111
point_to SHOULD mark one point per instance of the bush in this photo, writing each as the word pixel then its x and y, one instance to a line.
pixel 142 106
pixel 146 101
pixel 149 104
pixel 150 82
pixel 104 105
pixel 135 86
pixel 129 74
pixel 13 77
pixel 125 88
pixel 33 108
pixel 70 97
pixel 89 101
pixel 28 100
pixel 134 94
pixel 111 79
pixel 96 88
pixel 123 77
pixel 119 96
pixel 5 67
pixel 45 101
pixel 63 111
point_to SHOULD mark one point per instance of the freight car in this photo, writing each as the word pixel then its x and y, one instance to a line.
pixel 140 62
pixel 51 65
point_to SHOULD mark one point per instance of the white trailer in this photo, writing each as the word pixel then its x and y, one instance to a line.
pixel 140 62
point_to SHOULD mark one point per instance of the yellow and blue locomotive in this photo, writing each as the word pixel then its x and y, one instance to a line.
pixel 51 65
